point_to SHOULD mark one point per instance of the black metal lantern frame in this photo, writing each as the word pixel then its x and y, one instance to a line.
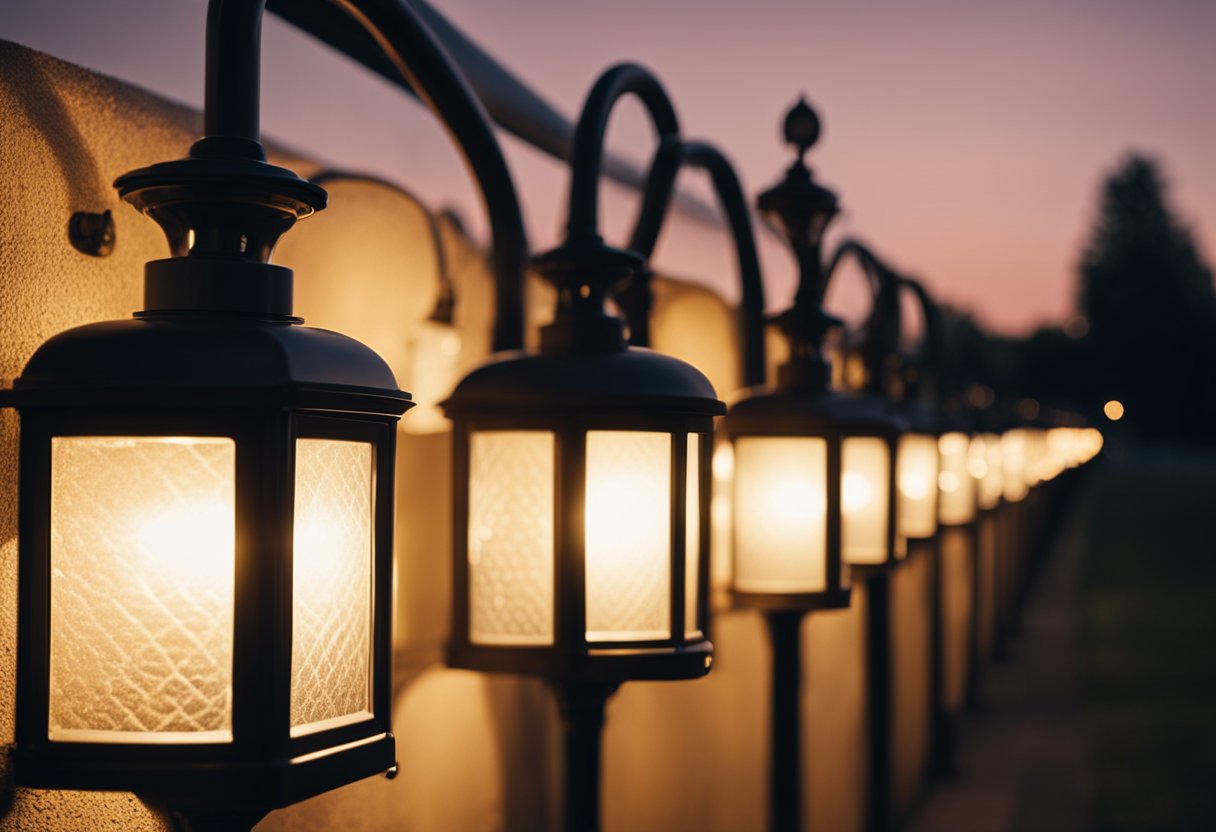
pixel 265 764
pixel 587 404
pixel 587 379
pixel 585 383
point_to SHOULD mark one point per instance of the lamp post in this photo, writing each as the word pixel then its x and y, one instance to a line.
pixel 582 487
pixel 206 490
pixel 812 474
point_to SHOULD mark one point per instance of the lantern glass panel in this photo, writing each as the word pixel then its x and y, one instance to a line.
pixel 692 534
pixel 957 485
pixel 864 499
pixel 143 571
pixel 986 467
pixel 628 548
pixel 1013 457
pixel 916 485
pixel 510 534
pixel 781 514
pixel 332 548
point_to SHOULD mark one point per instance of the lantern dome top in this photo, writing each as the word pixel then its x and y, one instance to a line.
pixel 237 358
pixel 798 411
pixel 633 379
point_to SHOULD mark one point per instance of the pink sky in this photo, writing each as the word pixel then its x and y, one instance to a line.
pixel 967 140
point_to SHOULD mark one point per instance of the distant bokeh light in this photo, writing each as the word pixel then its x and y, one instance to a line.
pixel 1113 410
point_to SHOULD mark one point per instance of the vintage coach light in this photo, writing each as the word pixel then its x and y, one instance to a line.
pixel 206 520
pixel 581 480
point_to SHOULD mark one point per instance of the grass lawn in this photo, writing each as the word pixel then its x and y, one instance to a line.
pixel 1147 633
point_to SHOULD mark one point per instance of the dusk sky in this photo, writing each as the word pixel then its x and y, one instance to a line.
pixel 967 140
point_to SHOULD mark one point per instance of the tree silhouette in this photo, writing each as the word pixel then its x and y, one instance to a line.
pixel 1151 309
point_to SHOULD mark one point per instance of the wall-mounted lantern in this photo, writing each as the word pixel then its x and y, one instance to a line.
pixel 582 485
pixel 813 484
pixel 206 517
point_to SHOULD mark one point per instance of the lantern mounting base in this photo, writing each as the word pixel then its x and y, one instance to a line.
pixel 591 665
pixel 211 822
pixel 581 706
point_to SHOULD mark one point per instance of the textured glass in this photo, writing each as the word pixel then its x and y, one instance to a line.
pixel 864 499
pixel 957 499
pixel 511 537
pixel 692 534
pixel 331 618
pixel 916 485
pixel 628 535
pixel 780 514
pixel 143 536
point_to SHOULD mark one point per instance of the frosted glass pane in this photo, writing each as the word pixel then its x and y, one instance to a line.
pixel 628 535
pixel 331 646
pixel 143 536
pixel 780 514
pixel 956 482
pixel 916 485
pixel 692 534
pixel 864 499
pixel 511 537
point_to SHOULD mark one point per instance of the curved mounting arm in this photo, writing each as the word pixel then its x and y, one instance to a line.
pixel 930 361
pixel 879 347
pixel 584 269
pixel 233 50
pixel 657 198
pixel 588 153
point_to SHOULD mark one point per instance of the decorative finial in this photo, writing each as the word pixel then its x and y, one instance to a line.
pixel 801 127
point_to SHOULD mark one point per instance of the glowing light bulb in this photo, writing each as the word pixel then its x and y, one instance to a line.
pixel 188 544
pixel 855 493
pixel 948 481
pixel 780 514
pixel 627 517
pixel 914 485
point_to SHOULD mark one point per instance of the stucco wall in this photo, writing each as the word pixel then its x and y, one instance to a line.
pixel 476 752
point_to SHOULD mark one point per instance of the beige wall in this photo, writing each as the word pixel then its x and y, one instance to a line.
pixel 476 752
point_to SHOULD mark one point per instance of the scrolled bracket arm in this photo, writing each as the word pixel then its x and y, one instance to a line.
pixel 657 199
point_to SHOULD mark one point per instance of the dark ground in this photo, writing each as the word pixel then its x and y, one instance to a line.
pixel 1103 716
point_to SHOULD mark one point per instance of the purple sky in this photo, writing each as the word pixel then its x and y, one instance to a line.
pixel 967 140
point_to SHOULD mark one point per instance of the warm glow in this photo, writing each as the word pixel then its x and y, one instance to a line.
pixel 331 646
pixel 955 482
pixel 989 484
pixel 143 534
pixel 434 366
pixel 721 509
pixel 780 514
pixel 628 535
pixel 511 509
pixel 916 492
pixel 1113 410
pixel 864 488
pixel 692 533
pixel 1013 454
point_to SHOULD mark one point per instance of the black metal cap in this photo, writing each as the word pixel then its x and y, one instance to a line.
pixel 208 361
pixel 632 380
pixel 585 273
pixel 782 412
pixel 222 205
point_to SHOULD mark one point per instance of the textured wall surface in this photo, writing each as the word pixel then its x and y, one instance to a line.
pixel 476 752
